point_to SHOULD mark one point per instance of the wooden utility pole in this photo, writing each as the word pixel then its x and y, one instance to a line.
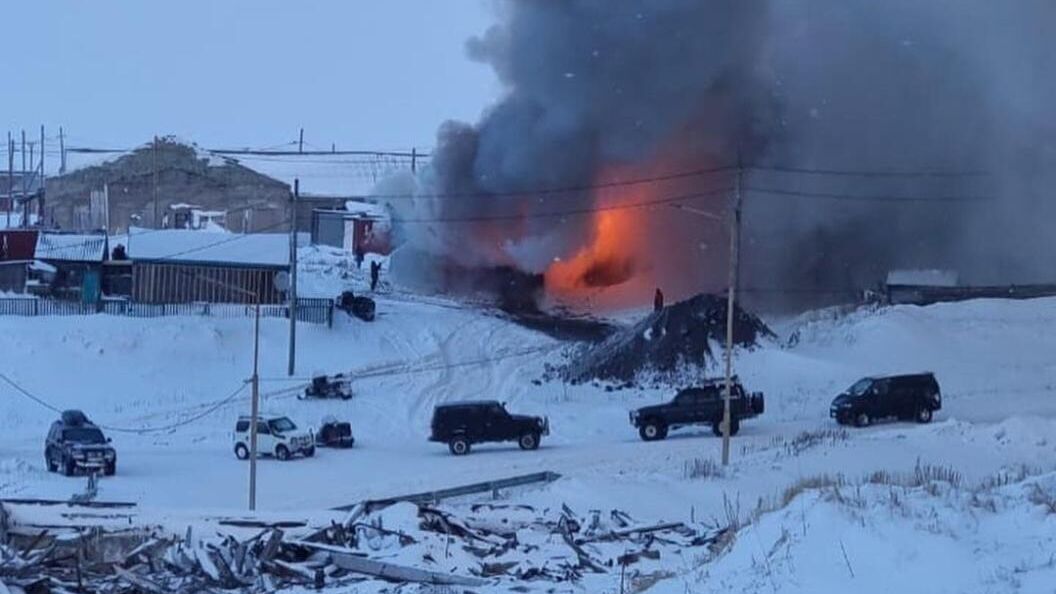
pixel 414 160
pixel 300 143
pixel 43 196
pixel 735 232
pixel 254 410
pixel 292 289
pixel 154 160
pixel 10 177
pixel 62 151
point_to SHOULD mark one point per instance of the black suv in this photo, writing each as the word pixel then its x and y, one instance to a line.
pixel 698 406
pixel 915 396
pixel 75 443
pixel 463 424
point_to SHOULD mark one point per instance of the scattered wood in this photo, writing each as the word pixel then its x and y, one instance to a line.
pixel 455 546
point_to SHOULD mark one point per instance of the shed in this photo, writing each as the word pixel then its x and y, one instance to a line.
pixel 78 261
pixel 184 266
pixel 360 227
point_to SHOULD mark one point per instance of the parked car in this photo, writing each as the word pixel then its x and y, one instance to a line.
pixel 702 405
pixel 75 443
pixel 915 396
pixel 462 424
pixel 276 435
pixel 334 434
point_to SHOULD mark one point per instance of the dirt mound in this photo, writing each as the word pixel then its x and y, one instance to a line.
pixel 666 344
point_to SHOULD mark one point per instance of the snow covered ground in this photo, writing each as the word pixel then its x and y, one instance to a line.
pixel 993 359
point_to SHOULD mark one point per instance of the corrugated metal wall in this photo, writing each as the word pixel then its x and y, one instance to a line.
pixel 188 283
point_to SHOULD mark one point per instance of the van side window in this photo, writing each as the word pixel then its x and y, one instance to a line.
pixel 242 426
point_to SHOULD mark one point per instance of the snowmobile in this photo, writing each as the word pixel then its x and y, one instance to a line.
pixel 329 386
pixel 334 434
pixel 358 306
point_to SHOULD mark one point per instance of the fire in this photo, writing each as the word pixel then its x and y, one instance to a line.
pixel 613 255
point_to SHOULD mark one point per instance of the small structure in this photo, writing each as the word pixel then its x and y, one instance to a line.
pixel 78 262
pixel 361 227
pixel 183 266
pixel 17 249
pixel 925 287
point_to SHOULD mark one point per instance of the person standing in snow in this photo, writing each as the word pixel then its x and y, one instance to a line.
pixel 359 256
pixel 375 272
pixel 658 300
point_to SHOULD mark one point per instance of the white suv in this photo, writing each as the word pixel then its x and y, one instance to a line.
pixel 276 435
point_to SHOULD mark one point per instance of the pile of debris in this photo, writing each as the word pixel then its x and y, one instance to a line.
pixel 484 547
pixel 667 346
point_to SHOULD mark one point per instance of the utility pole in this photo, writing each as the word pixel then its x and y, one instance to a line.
pixel 62 151
pixel 25 184
pixel 414 160
pixel 292 289
pixel 254 410
pixel 154 159
pixel 10 177
pixel 43 196
pixel 300 143
pixel 735 231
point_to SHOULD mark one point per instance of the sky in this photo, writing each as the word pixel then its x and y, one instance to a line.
pixel 364 74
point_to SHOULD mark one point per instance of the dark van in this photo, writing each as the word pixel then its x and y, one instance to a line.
pixel 906 397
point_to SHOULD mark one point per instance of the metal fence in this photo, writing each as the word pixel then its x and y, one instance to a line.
pixel 309 309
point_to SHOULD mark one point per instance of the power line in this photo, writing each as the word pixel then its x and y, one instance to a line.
pixel 868 173
pixel 573 212
pixel 890 199
pixel 138 430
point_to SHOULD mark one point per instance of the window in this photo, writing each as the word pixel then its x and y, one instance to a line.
pixel 282 425
pixel 89 435
pixel 860 388
pixel 242 426
pixel 497 411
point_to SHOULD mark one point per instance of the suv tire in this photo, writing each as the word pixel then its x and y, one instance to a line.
pixel 862 420
pixel 110 469
pixel 69 467
pixel 923 415
pixel 241 451
pixel 51 464
pixel 529 441
pixel 282 452
pixel 652 430
pixel 308 453
pixel 458 445
pixel 716 427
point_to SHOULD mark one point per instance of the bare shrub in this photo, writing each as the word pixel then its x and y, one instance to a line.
pixel 1044 497
pixel 701 468
pixel 809 439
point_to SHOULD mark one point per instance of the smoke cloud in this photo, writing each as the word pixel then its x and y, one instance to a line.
pixel 651 87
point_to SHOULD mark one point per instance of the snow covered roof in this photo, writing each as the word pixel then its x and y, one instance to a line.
pixel 923 278
pixel 70 247
pixel 328 175
pixel 181 245
pixel 367 209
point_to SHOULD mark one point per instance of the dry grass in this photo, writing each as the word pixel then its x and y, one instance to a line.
pixel 701 468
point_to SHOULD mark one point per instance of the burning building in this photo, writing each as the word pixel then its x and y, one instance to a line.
pixel 605 168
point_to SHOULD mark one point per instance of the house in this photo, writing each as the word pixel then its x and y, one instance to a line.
pixel 77 260
pixel 185 266
pixel 925 287
pixel 144 186
pixel 361 227
pixel 17 249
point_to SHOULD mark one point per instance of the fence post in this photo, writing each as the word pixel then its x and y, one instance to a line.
pixel 36 307
pixel 330 315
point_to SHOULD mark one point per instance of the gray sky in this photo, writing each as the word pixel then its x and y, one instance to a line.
pixel 366 74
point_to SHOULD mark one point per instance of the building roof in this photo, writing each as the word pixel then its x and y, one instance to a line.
pixel 329 175
pixel 922 278
pixel 207 247
pixel 71 247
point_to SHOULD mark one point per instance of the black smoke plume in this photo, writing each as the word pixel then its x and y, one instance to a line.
pixel 827 85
